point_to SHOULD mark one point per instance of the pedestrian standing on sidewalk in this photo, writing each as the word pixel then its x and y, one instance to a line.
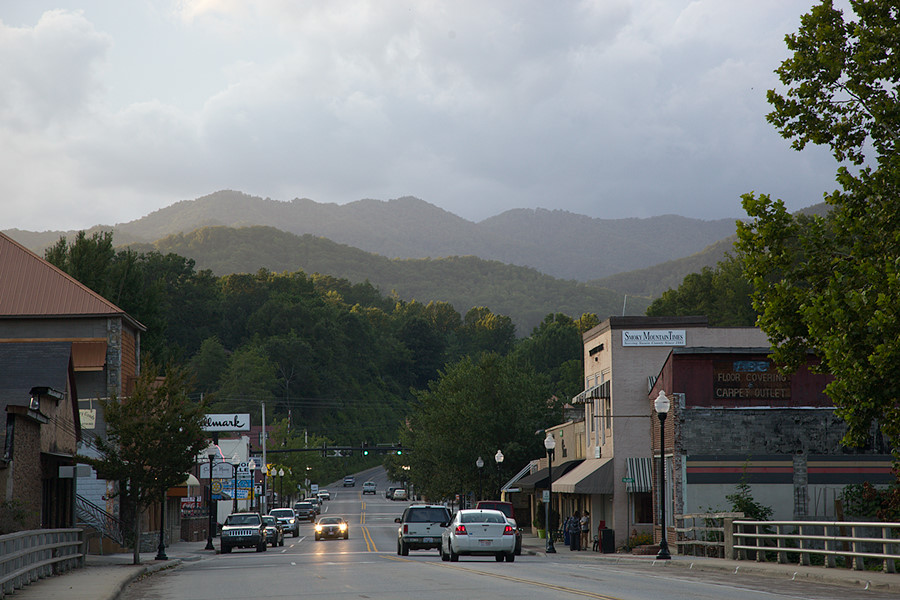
pixel 585 530
pixel 575 532
pixel 567 539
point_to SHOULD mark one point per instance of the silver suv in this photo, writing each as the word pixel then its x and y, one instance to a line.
pixel 420 527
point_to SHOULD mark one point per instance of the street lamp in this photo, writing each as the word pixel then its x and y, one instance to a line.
pixel 234 496
pixel 161 549
pixel 662 409
pixel 499 458
pixel 479 463
pixel 280 487
pixel 550 446
pixel 209 501
pixel 251 495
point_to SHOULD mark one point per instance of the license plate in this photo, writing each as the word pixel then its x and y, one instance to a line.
pixel 484 542
pixel 427 540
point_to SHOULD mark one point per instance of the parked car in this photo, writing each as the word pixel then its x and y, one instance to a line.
pixel 349 481
pixel 420 527
pixel 389 493
pixel 243 530
pixel 334 527
pixel 479 532
pixel 323 495
pixel 399 494
pixel 305 511
pixel 369 487
pixel 274 531
pixel 509 510
pixel 287 518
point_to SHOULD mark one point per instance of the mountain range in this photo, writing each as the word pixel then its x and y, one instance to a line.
pixel 524 263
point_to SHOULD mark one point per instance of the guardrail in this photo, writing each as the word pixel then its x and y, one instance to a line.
pixel 27 556
pixel 703 534
pixel 857 541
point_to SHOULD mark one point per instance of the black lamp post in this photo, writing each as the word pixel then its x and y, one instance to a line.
pixel 480 464
pixel 662 409
pixel 209 529
pixel 550 446
pixel 499 458
pixel 161 549
pixel 251 493
pixel 234 496
pixel 280 487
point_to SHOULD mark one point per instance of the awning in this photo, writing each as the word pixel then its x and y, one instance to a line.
pixel 539 479
pixel 638 470
pixel 593 476
pixel 89 355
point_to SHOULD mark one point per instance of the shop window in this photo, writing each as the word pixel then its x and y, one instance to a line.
pixel 643 507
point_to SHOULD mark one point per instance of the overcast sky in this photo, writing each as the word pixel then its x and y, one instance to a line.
pixel 110 110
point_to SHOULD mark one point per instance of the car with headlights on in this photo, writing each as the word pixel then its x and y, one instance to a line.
pixel 243 530
pixel 323 495
pixel 274 531
pixel 420 527
pixel 332 527
pixel 479 532
pixel 288 520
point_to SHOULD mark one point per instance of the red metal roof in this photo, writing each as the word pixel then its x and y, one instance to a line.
pixel 32 287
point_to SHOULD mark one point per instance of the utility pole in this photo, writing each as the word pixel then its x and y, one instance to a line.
pixel 265 463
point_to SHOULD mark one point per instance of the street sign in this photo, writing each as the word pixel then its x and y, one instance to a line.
pixel 628 480
pixel 546 496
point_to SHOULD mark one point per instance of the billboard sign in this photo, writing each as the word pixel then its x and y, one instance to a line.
pixel 654 337
pixel 227 422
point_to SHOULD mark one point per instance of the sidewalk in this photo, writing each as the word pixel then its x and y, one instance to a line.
pixel 874 580
pixel 104 577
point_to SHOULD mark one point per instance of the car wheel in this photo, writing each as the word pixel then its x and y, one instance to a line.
pixel 511 557
pixel 296 533
pixel 404 548
pixel 225 549
pixel 518 547
pixel 282 542
pixel 454 557
pixel 317 537
pixel 444 557
pixel 347 536
pixel 262 547
pixel 499 557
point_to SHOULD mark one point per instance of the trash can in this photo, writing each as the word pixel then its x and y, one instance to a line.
pixel 607 541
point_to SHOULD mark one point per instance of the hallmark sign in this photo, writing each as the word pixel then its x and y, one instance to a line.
pixel 227 422
pixel 654 337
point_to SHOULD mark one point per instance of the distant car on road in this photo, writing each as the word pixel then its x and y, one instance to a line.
pixel 349 481
pixel 324 495
pixel 369 487
pixel 389 493
pixel 333 527
pixel 243 530
pixel 399 494
pixel 274 531
pixel 479 532
pixel 287 518
pixel 305 511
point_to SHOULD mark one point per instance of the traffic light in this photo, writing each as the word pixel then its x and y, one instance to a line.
pixel 365 446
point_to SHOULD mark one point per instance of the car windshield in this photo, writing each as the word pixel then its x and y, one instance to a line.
pixel 269 520
pixel 331 521
pixel 480 517
pixel 242 520
pixel 303 505
pixel 427 515
pixel 282 512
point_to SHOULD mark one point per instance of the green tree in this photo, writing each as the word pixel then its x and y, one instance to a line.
pixel 475 407
pixel 721 294
pixel 153 437
pixel 555 349
pixel 831 285
pixel 208 365
pixel 248 381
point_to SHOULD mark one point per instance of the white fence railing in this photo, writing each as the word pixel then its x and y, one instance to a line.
pixel 27 556
pixel 856 541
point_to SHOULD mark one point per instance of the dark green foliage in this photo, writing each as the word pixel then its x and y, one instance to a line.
pixel 152 439
pixel 831 285
pixel 864 501
pixel 555 350
pixel 721 294
pixel 742 501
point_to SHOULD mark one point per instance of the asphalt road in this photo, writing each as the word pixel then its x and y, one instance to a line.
pixel 367 566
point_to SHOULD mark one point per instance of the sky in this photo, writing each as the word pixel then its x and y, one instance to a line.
pixel 612 109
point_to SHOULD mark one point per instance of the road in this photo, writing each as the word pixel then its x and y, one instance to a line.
pixel 367 566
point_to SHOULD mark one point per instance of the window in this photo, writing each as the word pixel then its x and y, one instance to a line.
pixel 643 507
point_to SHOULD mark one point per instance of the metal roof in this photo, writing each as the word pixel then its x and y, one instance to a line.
pixel 32 287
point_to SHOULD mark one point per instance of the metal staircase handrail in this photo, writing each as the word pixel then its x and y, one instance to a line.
pixel 95 516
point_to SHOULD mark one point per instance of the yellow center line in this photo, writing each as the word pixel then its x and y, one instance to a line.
pixel 549 586
pixel 370 543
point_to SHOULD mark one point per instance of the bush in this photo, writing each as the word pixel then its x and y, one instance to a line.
pixel 13 516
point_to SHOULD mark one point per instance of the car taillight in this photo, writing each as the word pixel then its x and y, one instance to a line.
pixel 509 530
pixel 461 530
pixel 405 528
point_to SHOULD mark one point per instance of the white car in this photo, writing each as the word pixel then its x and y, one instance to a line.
pixel 324 495
pixel 479 532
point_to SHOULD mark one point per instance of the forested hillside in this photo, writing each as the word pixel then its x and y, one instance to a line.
pixel 523 294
